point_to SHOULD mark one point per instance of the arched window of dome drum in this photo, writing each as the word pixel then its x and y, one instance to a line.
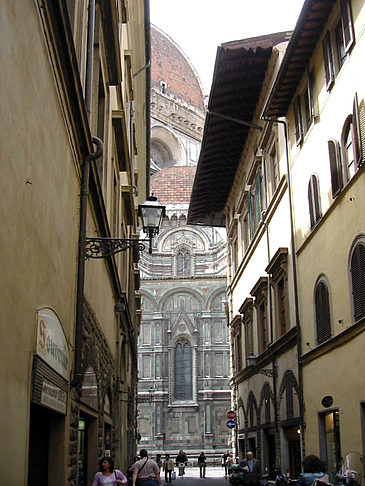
pixel 358 280
pixel 183 263
pixel 183 371
pixel 315 212
pixel 323 315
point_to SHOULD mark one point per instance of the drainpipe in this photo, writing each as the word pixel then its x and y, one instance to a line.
pixel 295 283
pixel 81 256
pixel 147 29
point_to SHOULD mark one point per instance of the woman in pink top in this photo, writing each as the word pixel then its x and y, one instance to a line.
pixel 108 475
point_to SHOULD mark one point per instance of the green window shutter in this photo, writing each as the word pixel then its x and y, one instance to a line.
pixel 250 214
pixel 258 198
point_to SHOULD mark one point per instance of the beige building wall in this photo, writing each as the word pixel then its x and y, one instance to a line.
pixel 46 137
pixel 332 368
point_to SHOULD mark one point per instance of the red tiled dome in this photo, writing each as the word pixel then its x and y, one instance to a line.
pixel 170 65
pixel 173 185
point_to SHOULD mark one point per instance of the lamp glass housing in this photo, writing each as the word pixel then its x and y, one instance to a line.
pixel 251 360
pixel 151 213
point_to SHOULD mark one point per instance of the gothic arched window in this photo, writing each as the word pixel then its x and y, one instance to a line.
pixel 183 263
pixel 183 372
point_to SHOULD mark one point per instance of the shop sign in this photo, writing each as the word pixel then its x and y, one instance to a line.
pixel 53 397
pixel 51 342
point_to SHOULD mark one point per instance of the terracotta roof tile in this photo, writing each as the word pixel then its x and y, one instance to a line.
pixel 173 185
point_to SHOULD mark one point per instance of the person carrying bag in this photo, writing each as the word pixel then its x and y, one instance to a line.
pixel 145 471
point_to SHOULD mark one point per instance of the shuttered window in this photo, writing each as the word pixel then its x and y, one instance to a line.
pixel 358 280
pixel 335 166
pixel 315 212
pixel 328 61
pixel 322 308
pixel 298 120
pixel 347 25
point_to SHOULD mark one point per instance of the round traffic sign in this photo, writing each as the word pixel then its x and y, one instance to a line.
pixel 231 414
pixel 231 424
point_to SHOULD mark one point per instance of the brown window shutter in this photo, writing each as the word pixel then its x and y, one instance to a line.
pixel 358 280
pixel 323 317
pixel 328 61
pixel 310 202
pixel 362 130
pixel 357 132
pixel 335 167
pixel 298 121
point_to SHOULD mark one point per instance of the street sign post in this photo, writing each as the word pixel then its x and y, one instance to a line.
pixel 231 415
pixel 231 424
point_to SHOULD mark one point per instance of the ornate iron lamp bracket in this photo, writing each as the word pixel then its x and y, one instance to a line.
pixel 105 247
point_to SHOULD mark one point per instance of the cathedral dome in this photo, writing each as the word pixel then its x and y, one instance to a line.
pixel 172 71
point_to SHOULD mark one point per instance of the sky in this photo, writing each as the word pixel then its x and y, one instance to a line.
pixel 200 26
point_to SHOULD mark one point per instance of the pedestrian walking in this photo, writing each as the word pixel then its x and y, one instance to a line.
pixel 224 462
pixel 168 467
pixel 202 463
pixel 313 469
pixel 181 461
pixel 108 475
pixel 145 471
pixel 129 471
pixel 159 461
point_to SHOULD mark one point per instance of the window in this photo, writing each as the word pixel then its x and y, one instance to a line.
pixel 183 371
pixel 340 43
pixel 357 269
pixel 298 120
pixel 260 293
pixel 322 310
pixel 254 205
pixel 278 269
pixel 315 212
pixel 329 70
pixel 335 167
pixel 281 300
pixel 246 310
pixel 274 169
pixel 163 86
pixel 353 139
pixel 183 263
pixel 304 109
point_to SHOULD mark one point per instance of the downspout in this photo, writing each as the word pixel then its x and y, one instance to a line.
pixel 84 194
pixel 295 283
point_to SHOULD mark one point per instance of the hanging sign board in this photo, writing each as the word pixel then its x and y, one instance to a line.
pixel 51 343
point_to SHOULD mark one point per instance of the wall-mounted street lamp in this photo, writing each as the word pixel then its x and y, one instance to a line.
pixel 151 213
pixel 252 361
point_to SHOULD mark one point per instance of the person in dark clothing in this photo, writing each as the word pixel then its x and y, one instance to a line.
pixel 181 461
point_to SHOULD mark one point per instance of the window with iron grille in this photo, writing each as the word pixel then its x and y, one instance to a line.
pixel 358 280
pixel 322 309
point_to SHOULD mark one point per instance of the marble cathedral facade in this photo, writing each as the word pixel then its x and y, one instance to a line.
pixel 183 352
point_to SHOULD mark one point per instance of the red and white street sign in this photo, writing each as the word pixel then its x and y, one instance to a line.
pixel 231 414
